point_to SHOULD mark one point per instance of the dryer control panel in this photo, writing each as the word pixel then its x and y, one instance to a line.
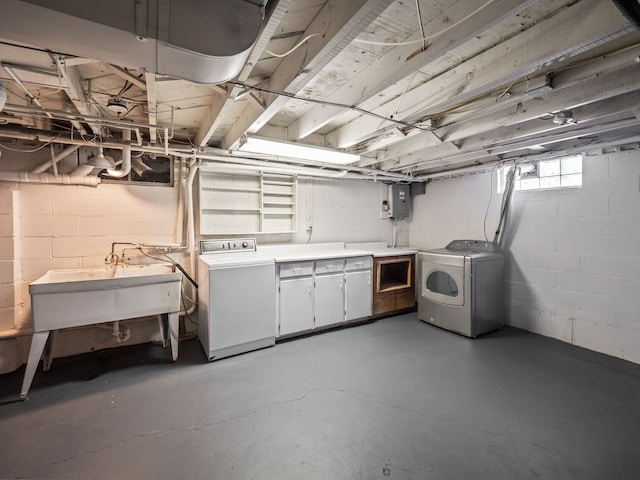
pixel 474 246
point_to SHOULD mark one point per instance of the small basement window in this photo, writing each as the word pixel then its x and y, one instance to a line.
pixel 561 172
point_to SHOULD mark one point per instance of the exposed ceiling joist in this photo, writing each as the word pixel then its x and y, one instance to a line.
pixel 338 23
pixel 79 98
pixel 499 66
pixel 395 64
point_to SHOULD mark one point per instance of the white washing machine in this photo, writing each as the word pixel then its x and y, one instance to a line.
pixel 462 287
pixel 236 298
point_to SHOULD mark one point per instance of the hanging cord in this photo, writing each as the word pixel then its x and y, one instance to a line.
pixel 172 262
pixel 424 39
pixel 506 203
pixel 395 229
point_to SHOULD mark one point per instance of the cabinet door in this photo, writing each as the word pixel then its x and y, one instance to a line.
pixel 296 305
pixel 359 294
pixel 329 300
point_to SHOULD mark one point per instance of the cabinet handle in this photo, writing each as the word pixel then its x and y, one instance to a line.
pixel 296 270
pixel 359 264
pixel 330 267
pixel 369 280
pixel 340 284
pixel 309 289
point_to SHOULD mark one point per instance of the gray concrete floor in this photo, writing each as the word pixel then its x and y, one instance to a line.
pixel 393 399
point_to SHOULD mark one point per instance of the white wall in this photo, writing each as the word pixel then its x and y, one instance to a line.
pixel 573 256
pixel 44 227
pixel 341 211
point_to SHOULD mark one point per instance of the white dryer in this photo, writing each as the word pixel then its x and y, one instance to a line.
pixel 462 287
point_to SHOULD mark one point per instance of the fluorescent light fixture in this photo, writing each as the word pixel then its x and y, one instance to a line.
pixel 295 150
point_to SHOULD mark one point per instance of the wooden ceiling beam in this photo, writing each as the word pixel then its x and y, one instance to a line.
pixel 596 22
pixel 338 22
pixel 394 66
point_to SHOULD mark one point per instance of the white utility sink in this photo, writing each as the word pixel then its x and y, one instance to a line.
pixel 79 297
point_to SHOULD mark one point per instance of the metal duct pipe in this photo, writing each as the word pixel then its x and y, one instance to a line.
pixel 64 153
pixel 125 168
pixel 630 9
pixel 60 179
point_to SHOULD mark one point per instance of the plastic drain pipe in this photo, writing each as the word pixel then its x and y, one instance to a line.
pixel 126 157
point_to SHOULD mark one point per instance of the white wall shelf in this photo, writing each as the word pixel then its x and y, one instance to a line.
pixel 242 203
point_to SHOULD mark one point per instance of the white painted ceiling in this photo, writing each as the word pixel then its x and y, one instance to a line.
pixel 414 87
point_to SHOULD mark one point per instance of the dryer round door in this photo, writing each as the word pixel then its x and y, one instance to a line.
pixel 443 278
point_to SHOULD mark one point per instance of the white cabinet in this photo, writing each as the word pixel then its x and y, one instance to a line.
pixel 358 288
pixel 329 300
pixel 359 294
pixel 295 305
pixel 323 293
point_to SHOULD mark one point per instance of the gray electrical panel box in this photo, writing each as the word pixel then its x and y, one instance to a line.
pixel 399 201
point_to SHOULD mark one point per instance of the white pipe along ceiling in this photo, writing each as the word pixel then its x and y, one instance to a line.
pixel 412 89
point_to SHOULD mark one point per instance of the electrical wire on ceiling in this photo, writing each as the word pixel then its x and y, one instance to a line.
pixel 327 103
pixel 424 39
pixel 44 145
pixel 295 47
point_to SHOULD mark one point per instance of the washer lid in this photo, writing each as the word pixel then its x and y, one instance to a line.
pixel 235 259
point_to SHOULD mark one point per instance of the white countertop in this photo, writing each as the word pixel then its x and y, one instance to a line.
pixel 298 252
pixel 380 249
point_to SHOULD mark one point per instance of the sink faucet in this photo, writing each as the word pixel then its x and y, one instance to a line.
pixel 112 258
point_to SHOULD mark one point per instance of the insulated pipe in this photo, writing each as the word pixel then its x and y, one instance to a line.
pixel 126 157
pixel 180 211
pixel 64 153
pixel 81 171
pixel 60 179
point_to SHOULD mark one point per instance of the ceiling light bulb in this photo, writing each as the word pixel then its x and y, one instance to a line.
pixel 117 106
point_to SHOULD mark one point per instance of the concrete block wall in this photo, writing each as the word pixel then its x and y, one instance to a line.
pixel 7 259
pixel 572 255
pixel 44 227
